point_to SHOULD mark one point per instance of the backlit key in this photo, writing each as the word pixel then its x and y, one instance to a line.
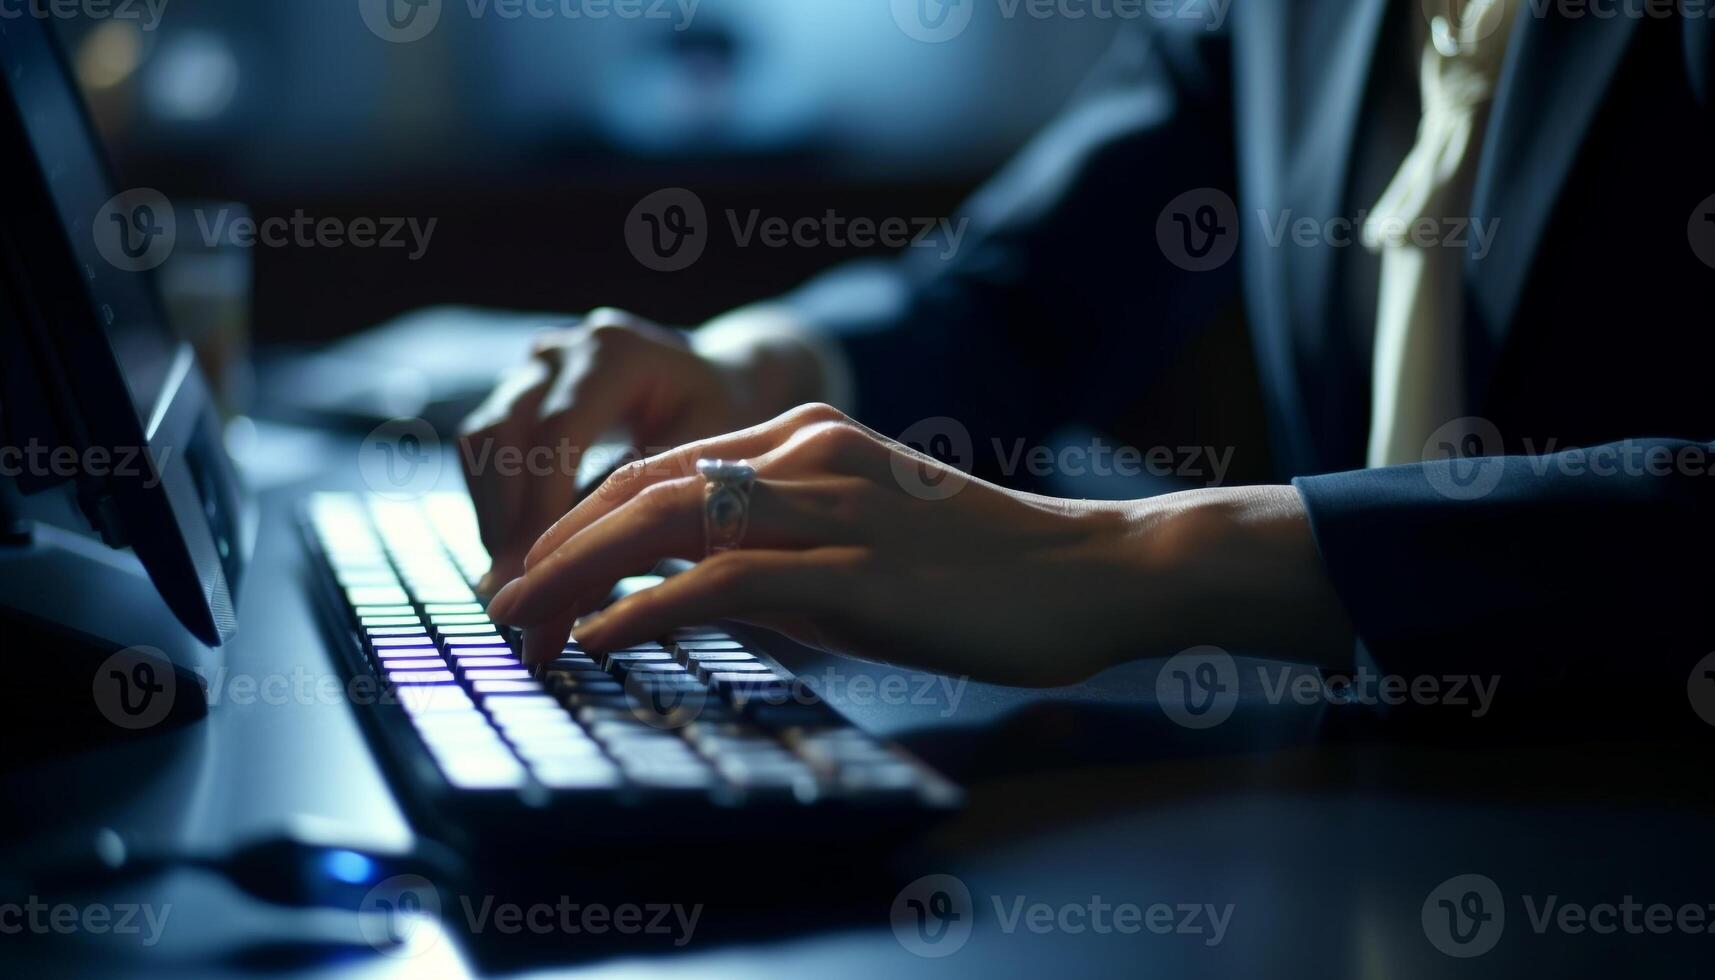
pixel 402 641
pixel 442 676
pixel 363 611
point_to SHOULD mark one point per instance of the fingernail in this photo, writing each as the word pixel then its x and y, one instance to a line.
pixel 501 605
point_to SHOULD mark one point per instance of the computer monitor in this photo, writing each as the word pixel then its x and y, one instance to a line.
pixel 91 368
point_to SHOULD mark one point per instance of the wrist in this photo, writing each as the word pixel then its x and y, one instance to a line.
pixel 773 361
pixel 1239 568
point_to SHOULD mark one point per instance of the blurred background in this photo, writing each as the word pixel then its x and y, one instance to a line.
pixel 530 128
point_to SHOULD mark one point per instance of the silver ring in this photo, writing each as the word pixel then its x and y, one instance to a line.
pixel 726 503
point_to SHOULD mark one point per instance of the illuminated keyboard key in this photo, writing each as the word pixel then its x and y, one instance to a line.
pixel 377 596
pixel 397 632
pixel 418 663
pixel 507 688
pixel 577 774
pixel 465 661
pixel 475 642
pixel 389 654
pixel 502 674
pixel 461 619
pixel 363 611
pixel 483 770
pixel 409 677
pixel 421 699
pixel 452 608
pixel 402 641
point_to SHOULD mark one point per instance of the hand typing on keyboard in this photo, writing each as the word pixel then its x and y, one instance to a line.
pixel 614 373
pixel 861 545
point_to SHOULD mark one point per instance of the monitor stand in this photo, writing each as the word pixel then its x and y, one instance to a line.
pixel 92 648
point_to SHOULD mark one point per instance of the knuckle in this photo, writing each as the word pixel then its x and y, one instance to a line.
pixel 659 499
pixel 606 316
pixel 828 442
pixel 623 480
pixel 814 412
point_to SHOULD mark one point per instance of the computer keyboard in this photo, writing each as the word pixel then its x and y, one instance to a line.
pixel 700 717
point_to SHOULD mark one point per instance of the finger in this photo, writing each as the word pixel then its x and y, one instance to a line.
pixel 734 585
pixel 675 464
pixel 504 419
pixel 542 644
pixel 578 408
pixel 664 521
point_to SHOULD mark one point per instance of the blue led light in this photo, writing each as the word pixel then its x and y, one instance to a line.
pixel 348 866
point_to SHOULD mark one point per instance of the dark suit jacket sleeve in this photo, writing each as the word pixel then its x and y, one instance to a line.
pixel 1583 567
pixel 1058 301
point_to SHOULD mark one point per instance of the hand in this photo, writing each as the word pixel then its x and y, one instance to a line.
pixel 860 545
pixel 612 374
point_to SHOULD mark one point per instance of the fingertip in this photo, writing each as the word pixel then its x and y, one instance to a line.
pixel 542 644
pixel 591 632
pixel 488 585
pixel 501 606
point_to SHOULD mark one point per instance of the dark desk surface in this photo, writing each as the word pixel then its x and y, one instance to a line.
pixel 1325 846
